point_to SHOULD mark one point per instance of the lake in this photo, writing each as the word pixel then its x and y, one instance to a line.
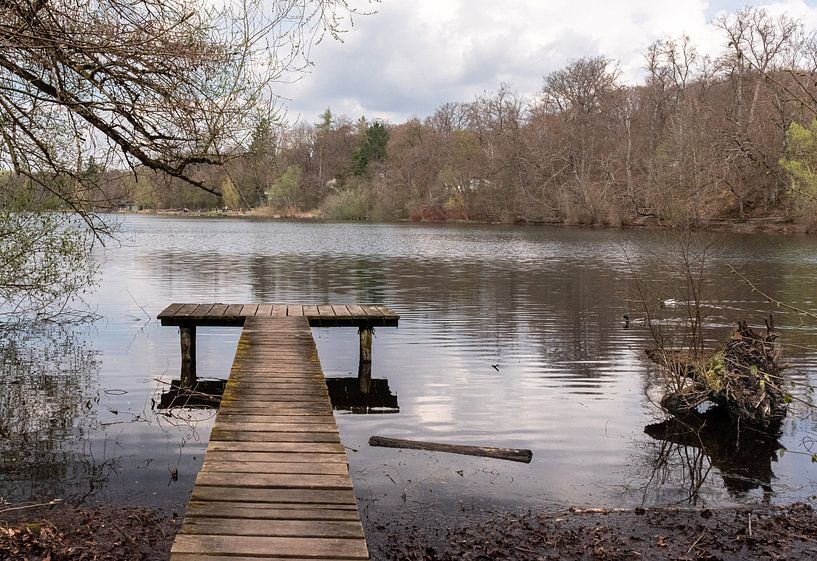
pixel 509 337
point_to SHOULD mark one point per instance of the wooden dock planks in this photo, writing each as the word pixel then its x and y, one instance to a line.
pixel 324 315
pixel 275 482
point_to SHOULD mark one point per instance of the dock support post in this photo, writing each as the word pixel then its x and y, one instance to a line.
pixel 365 344
pixel 364 377
pixel 188 341
pixel 364 369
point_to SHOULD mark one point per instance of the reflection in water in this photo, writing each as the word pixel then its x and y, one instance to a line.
pixel 47 400
pixel 71 428
pixel 204 394
pixel 743 456
pixel 363 394
pixel 509 337
pixel 359 395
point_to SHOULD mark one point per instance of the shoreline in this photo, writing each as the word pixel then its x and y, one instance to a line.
pixel 760 532
pixel 766 225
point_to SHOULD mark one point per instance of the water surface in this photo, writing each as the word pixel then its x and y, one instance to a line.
pixel 509 336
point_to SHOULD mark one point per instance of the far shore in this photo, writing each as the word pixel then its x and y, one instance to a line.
pixel 767 225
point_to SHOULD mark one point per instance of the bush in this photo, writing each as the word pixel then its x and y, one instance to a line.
pixel 351 204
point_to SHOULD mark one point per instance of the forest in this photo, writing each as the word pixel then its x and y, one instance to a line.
pixel 699 138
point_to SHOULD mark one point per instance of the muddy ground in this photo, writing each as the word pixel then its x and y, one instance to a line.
pixel 62 532
pixel 131 534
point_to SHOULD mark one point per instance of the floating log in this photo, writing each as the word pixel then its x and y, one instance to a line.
pixel 510 454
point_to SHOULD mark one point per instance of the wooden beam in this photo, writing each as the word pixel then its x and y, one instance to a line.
pixel 187 336
pixel 511 454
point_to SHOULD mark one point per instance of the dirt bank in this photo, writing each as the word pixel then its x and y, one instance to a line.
pixel 733 534
pixel 138 534
pixel 65 533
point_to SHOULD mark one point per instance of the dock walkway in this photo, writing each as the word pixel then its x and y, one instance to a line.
pixel 275 482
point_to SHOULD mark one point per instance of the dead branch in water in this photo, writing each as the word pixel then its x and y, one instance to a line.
pixel 510 454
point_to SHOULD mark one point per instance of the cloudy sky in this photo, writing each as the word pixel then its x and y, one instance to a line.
pixel 411 56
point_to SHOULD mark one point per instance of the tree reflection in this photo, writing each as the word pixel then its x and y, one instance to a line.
pixel 46 407
pixel 688 447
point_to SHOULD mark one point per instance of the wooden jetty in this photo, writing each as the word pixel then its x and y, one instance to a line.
pixel 188 316
pixel 275 482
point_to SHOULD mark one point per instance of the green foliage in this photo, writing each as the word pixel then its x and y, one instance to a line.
pixel 143 192
pixel 230 194
pixel 263 139
pixel 351 204
pixel 326 122
pixel 800 164
pixel 714 371
pixel 46 263
pixel 372 148
pixel 283 193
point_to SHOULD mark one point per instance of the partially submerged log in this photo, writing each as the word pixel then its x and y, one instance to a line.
pixel 744 377
pixel 510 454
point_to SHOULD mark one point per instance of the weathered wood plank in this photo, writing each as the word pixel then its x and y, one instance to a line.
pixel 170 311
pixel 274 481
pixel 270 511
pixel 235 314
pixel 328 548
pixel 271 436
pixel 276 447
pixel 233 311
pixel 217 311
pixel 293 383
pixel 356 311
pixel 201 311
pixel 276 457
pixel 274 528
pixel 341 312
pixel 387 312
pixel 373 311
pixel 277 427
pixel 293 467
pixel 248 310
pixel 283 419
pixel 269 495
pixel 246 398
pixel 277 408
pixel 281 397
pixel 326 310
pixel 186 310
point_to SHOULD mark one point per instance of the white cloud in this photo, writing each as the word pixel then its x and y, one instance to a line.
pixel 412 56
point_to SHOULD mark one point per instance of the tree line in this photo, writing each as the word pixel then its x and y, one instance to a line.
pixel 699 138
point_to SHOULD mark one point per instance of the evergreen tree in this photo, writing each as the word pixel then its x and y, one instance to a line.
pixel 372 148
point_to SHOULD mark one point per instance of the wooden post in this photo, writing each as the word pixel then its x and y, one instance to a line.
pixel 188 340
pixel 364 377
pixel 365 344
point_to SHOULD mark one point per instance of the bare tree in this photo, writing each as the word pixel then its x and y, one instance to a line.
pixel 578 93
pixel 168 86
pixel 165 84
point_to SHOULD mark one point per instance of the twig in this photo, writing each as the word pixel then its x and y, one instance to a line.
pixel 138 305
pixel 52 502
pixel 695 542
pixel 771 300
